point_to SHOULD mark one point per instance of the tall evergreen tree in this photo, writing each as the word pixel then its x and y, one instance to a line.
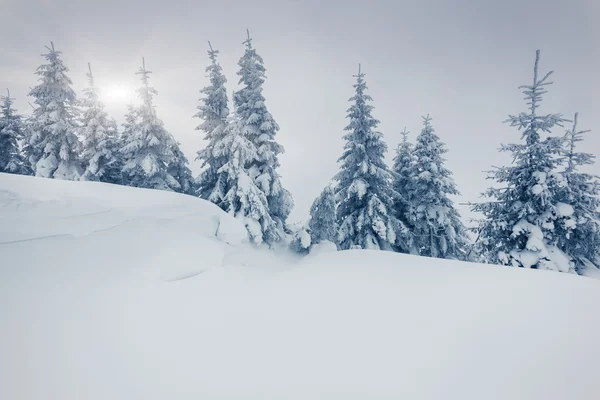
pixel 580 200
pixel 434 221
pixel 260 128
pixel 101 146
pixel 11 133
pixel 213 110
pixel 54 138
pixel 149 150
pixel 323 224
pixel 521 219
pixel 365 196
pixel 244 199
pixel 402 169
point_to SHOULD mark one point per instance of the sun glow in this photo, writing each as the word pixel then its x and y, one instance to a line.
pixel 117 93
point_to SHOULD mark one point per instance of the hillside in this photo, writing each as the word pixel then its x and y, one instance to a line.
pixel 112 292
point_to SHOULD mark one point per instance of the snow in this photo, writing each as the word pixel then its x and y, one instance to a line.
pixel 111 292
pixel 564 210
pixel 537 189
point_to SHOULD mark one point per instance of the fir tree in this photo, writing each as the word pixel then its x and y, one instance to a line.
pixel 244 199
pixel 178 169
pixel 364 193
pixel 101 152
pixel 260 128
pixel 213 111
pixel 54 139
pixel 323 224
pixel 149 150
pixel 402 169
pixel 580 201
pixel 11 133
pixel 521 218
pixel 434 221
pixel 129 126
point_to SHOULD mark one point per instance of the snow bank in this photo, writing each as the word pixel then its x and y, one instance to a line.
pixel 119 293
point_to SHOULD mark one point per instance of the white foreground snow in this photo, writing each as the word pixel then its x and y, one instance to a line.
pixel 118 293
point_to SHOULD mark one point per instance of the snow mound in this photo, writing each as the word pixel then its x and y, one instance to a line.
pixel 119 293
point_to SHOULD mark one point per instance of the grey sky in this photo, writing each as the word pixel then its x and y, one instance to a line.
pixel 460 61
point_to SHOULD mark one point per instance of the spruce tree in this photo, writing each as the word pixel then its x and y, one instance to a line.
pixel 323 224
pixel 244 199
pixel 101 146
pixel 365 196
pixel 149 150
pixel 580 200
pixel 434 221
pixel 54 132
pixel 11 133
pixel 402 169
pixel 260 128
pixel 178 169
pixel 521 219
pixel 213 110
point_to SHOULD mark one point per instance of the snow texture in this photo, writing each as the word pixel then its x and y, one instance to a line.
pixel 105 297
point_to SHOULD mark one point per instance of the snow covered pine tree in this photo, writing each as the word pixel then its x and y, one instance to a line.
pixel 150 152
pixel 323 224
pixel 364 193
pixel 258 127
pixel 11 133
pixel 101 146
pixel 433 220
pixel 580 200
pixel 402 169
pixel 54 142
pixel 522 218
pixel 213 111
pixel 244 199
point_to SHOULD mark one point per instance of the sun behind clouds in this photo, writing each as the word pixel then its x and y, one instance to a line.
pixel 117 93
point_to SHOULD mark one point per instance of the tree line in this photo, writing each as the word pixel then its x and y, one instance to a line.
pixel 543 212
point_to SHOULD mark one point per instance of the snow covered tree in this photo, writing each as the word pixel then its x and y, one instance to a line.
pixel 301 239
pixel 54 132
pixel 435 224
pixel 323 224
pixel 260 129
pixel 178 169
pixel 402 169
pixel 11 133
pixel 580 201
pixel 522 217
pixel 213 110
pixel 364 193
pixel 128 128
pixel 101 154
pixel 244 199
pixel 149 150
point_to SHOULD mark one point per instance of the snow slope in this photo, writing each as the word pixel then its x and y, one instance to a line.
pixel 109 292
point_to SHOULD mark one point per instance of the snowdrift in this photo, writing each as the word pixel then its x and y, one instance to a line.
pixel 110 292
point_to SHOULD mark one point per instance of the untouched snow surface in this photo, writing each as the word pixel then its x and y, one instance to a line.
pixel 114 293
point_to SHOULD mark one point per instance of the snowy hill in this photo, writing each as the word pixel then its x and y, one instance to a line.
pixel 112 292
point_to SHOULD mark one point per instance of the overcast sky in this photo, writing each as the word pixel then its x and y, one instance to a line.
pixel 461 61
